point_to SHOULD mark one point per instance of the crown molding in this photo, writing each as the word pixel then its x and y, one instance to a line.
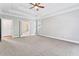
pixel 67 10
pixel 12 16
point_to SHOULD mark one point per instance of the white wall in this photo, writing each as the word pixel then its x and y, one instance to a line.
pixel 16 28
pixel 33 27
pixel 64 26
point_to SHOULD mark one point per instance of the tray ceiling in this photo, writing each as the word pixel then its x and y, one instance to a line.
pixel 22 11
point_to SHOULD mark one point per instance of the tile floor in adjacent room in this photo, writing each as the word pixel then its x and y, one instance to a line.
pixel 37 46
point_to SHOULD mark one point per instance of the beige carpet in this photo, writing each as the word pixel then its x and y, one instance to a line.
pixel 37 46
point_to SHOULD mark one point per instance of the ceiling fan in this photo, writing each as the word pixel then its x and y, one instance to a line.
pixel 36 6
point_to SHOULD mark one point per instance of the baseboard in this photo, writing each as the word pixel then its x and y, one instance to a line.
pixel 60 38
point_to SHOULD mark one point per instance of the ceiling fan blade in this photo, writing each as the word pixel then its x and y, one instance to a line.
pixel 41 6
pixel 31 7
pixel 31 3
pixel 38 3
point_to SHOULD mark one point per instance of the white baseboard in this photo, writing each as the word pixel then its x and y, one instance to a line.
pixel 72 41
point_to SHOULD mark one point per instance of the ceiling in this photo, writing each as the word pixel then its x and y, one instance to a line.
pixel 22 11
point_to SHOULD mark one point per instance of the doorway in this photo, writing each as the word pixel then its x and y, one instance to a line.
pixel 6 26
pixel 24 28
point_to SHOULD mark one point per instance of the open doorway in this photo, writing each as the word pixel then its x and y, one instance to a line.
pixel 6 26
pixel 24 28
pixel 27 28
